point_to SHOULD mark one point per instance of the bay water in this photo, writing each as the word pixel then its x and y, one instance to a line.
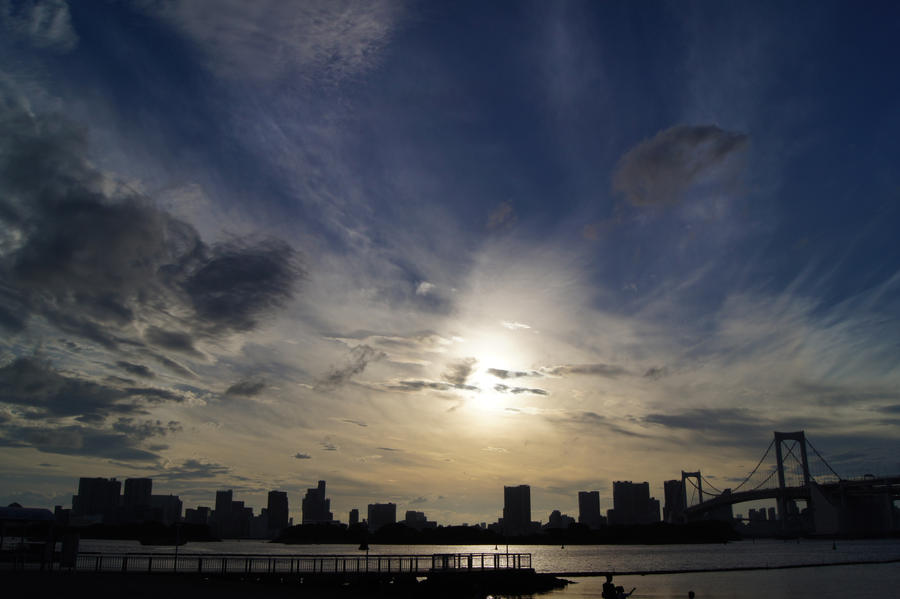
pixel 815 580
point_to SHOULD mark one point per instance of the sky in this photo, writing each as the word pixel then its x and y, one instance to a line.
pixel 423 250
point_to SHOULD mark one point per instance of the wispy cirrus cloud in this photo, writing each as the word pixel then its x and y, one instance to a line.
pixel 325 41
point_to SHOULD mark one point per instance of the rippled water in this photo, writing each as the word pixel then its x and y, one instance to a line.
pixel 858 581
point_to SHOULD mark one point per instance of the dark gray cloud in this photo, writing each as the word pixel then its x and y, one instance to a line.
pixel 389 449
pixel 239 282
pixel 718 426
pixel 99 261
pixel 593 420
pixel 145 429
pixel 356 422
pixel 458 373
pixel 302 456
pixel 77 440
pixel 135 369
pixel 512 374
pixel 360 356
pixel 38 393
pixel 517 390
pixel 827 394
pixel 34 384
pixel 655 373
pixel 328 446
pixel 171 340
pixel 246 388
pixel 605 370
pixel 418 385
pixel 660 170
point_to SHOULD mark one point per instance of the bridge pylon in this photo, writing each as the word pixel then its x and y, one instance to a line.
pixel 780 438
pixel 685 476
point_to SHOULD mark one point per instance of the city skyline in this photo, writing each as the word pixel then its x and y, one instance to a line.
pixel 425 250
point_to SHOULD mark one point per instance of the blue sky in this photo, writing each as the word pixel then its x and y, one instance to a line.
pixel 424 250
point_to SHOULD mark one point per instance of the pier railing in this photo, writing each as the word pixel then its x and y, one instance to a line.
pixel 212 563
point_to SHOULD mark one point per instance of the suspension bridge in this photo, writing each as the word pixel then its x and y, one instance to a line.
pixel 834 505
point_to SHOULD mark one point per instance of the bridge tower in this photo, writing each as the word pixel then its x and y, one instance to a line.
pixel 685 476
pixel 780 438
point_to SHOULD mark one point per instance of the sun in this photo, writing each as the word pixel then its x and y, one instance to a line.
pixel 496 353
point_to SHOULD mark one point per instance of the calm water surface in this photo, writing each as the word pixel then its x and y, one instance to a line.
pixel 857 581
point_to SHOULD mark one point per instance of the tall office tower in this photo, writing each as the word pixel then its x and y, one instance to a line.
pixel 277 510
pixel 632 504
pixel 223 504
pixel 517 510
pixel 674 501
pixel 589 509
pixel 137 492
pixel 353 517
pixel 316 508
pixel 96 497
pixel 381 514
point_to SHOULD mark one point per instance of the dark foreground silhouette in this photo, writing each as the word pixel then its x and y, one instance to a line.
pixel 189 586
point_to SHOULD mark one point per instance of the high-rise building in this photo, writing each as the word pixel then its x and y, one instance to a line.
pixel 167 508
pixel 589 509
pixel 316 508
pixel 674 506
pixel 223 504
pixel 632 504
pixel 96 497
pixel 277 511
pixel 381 514
pixel 353 517
pixel 199 515
pixel 137 492
pixel 517 510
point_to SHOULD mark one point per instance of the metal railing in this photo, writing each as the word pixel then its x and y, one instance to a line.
pixel 298 564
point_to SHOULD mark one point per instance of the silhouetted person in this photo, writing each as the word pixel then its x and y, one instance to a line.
pixel 621 594
pixel 609 589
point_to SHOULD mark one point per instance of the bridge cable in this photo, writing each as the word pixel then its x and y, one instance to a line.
pixel 743 482
pixel 710 485
pixel 767 479
pixel 790 453
pixel 823 459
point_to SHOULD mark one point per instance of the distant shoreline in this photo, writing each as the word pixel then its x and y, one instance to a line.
pixel 724 569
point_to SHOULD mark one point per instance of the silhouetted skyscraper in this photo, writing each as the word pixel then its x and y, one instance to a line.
pixel 137 492
pixel 353 517
pixel 674 506
pixel 223 504
pixel 632 504
pixel 316 508
pixel 96 497
pixel 381 514
pixel 589 509
pixel 517 510
pixel 277 511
